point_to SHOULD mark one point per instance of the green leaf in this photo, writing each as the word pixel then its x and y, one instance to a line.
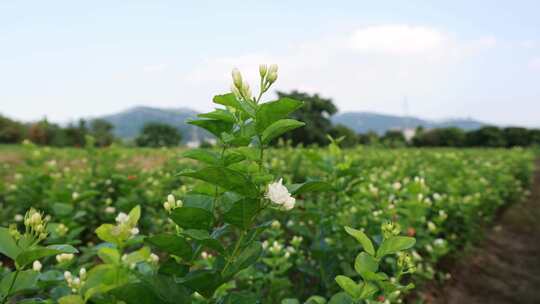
pixel 167 289
pixel 315 300
pixel 25 280
pixel 310 186
pixel 226 178
pixel 273 111
pixel 134 215
pixel 171 244
pixel 228 100
pixel 240 297
pixel 204 281
pixel 279 127
pixel 290 301
pixel 137 256
pixel 233 158
pixel 199 201
pixel 246 258
pixel 241 213
pixel 112 234
pixel 8 246
pixel 362 239
pixel 139 293
pixel 350 286
pixel 365 263
pixel 29 256
pixel 341 298
pixel 109 255
pixel 202 155
pixel 213 126
pixel 203 238
pixel 368 290
pixel 192 218
pixel 395 244
pixel 219 114
pixel 71 299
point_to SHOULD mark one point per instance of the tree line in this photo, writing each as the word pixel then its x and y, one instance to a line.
pixel 316 113
pixel 47 133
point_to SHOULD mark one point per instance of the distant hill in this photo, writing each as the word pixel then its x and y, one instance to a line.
pixel 363 122
pixel 128 123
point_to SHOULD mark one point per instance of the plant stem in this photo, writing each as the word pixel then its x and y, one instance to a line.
pixel 11 285
pixel 235 252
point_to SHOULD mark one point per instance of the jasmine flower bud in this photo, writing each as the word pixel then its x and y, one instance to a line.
pixel 237 78
pixel 36 266
pixel 263 69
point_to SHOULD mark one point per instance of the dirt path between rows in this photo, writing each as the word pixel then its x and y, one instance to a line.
pixel 505 267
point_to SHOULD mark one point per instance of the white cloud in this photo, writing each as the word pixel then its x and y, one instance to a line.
pixel 155 67
pixel 370 68
pixel 397 39
pixel 534 64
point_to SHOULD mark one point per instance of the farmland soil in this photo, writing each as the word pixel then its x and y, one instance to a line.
pixel 505 267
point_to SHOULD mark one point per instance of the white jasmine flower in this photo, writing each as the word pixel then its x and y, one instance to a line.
pixel 110 210
pixel 280 195
pixel 18 218
pixel 36 266
pixel 134 231
pixel 121 218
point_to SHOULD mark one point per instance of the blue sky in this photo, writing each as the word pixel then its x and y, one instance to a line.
pixel 70 59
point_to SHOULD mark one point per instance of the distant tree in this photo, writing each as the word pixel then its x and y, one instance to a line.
pixel 316 114
pixel 369 138
pixel 394 138
pixel 76 133
pixel 101 130
pixel 534 135
pixel 45 133
pixel 442 137
pixel 488 136
pixel 158 135
pixel 515 136
pixel 350 139
pixel 10 131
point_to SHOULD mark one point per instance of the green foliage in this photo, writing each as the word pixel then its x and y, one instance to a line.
pixel 315 113
pixel 158 135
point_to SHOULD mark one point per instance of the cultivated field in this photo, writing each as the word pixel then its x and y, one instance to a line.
pixel 441 197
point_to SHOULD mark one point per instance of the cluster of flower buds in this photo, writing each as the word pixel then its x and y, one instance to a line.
pixel 172 203
pixel 73 282
pixel 390 229
pixel 241 88
pixel 64 257
pixel 122 219
pixel 62 229
pixel 268 75
pixel 275 248
pixel 296 240
pixel 405 263
pixel 35 224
